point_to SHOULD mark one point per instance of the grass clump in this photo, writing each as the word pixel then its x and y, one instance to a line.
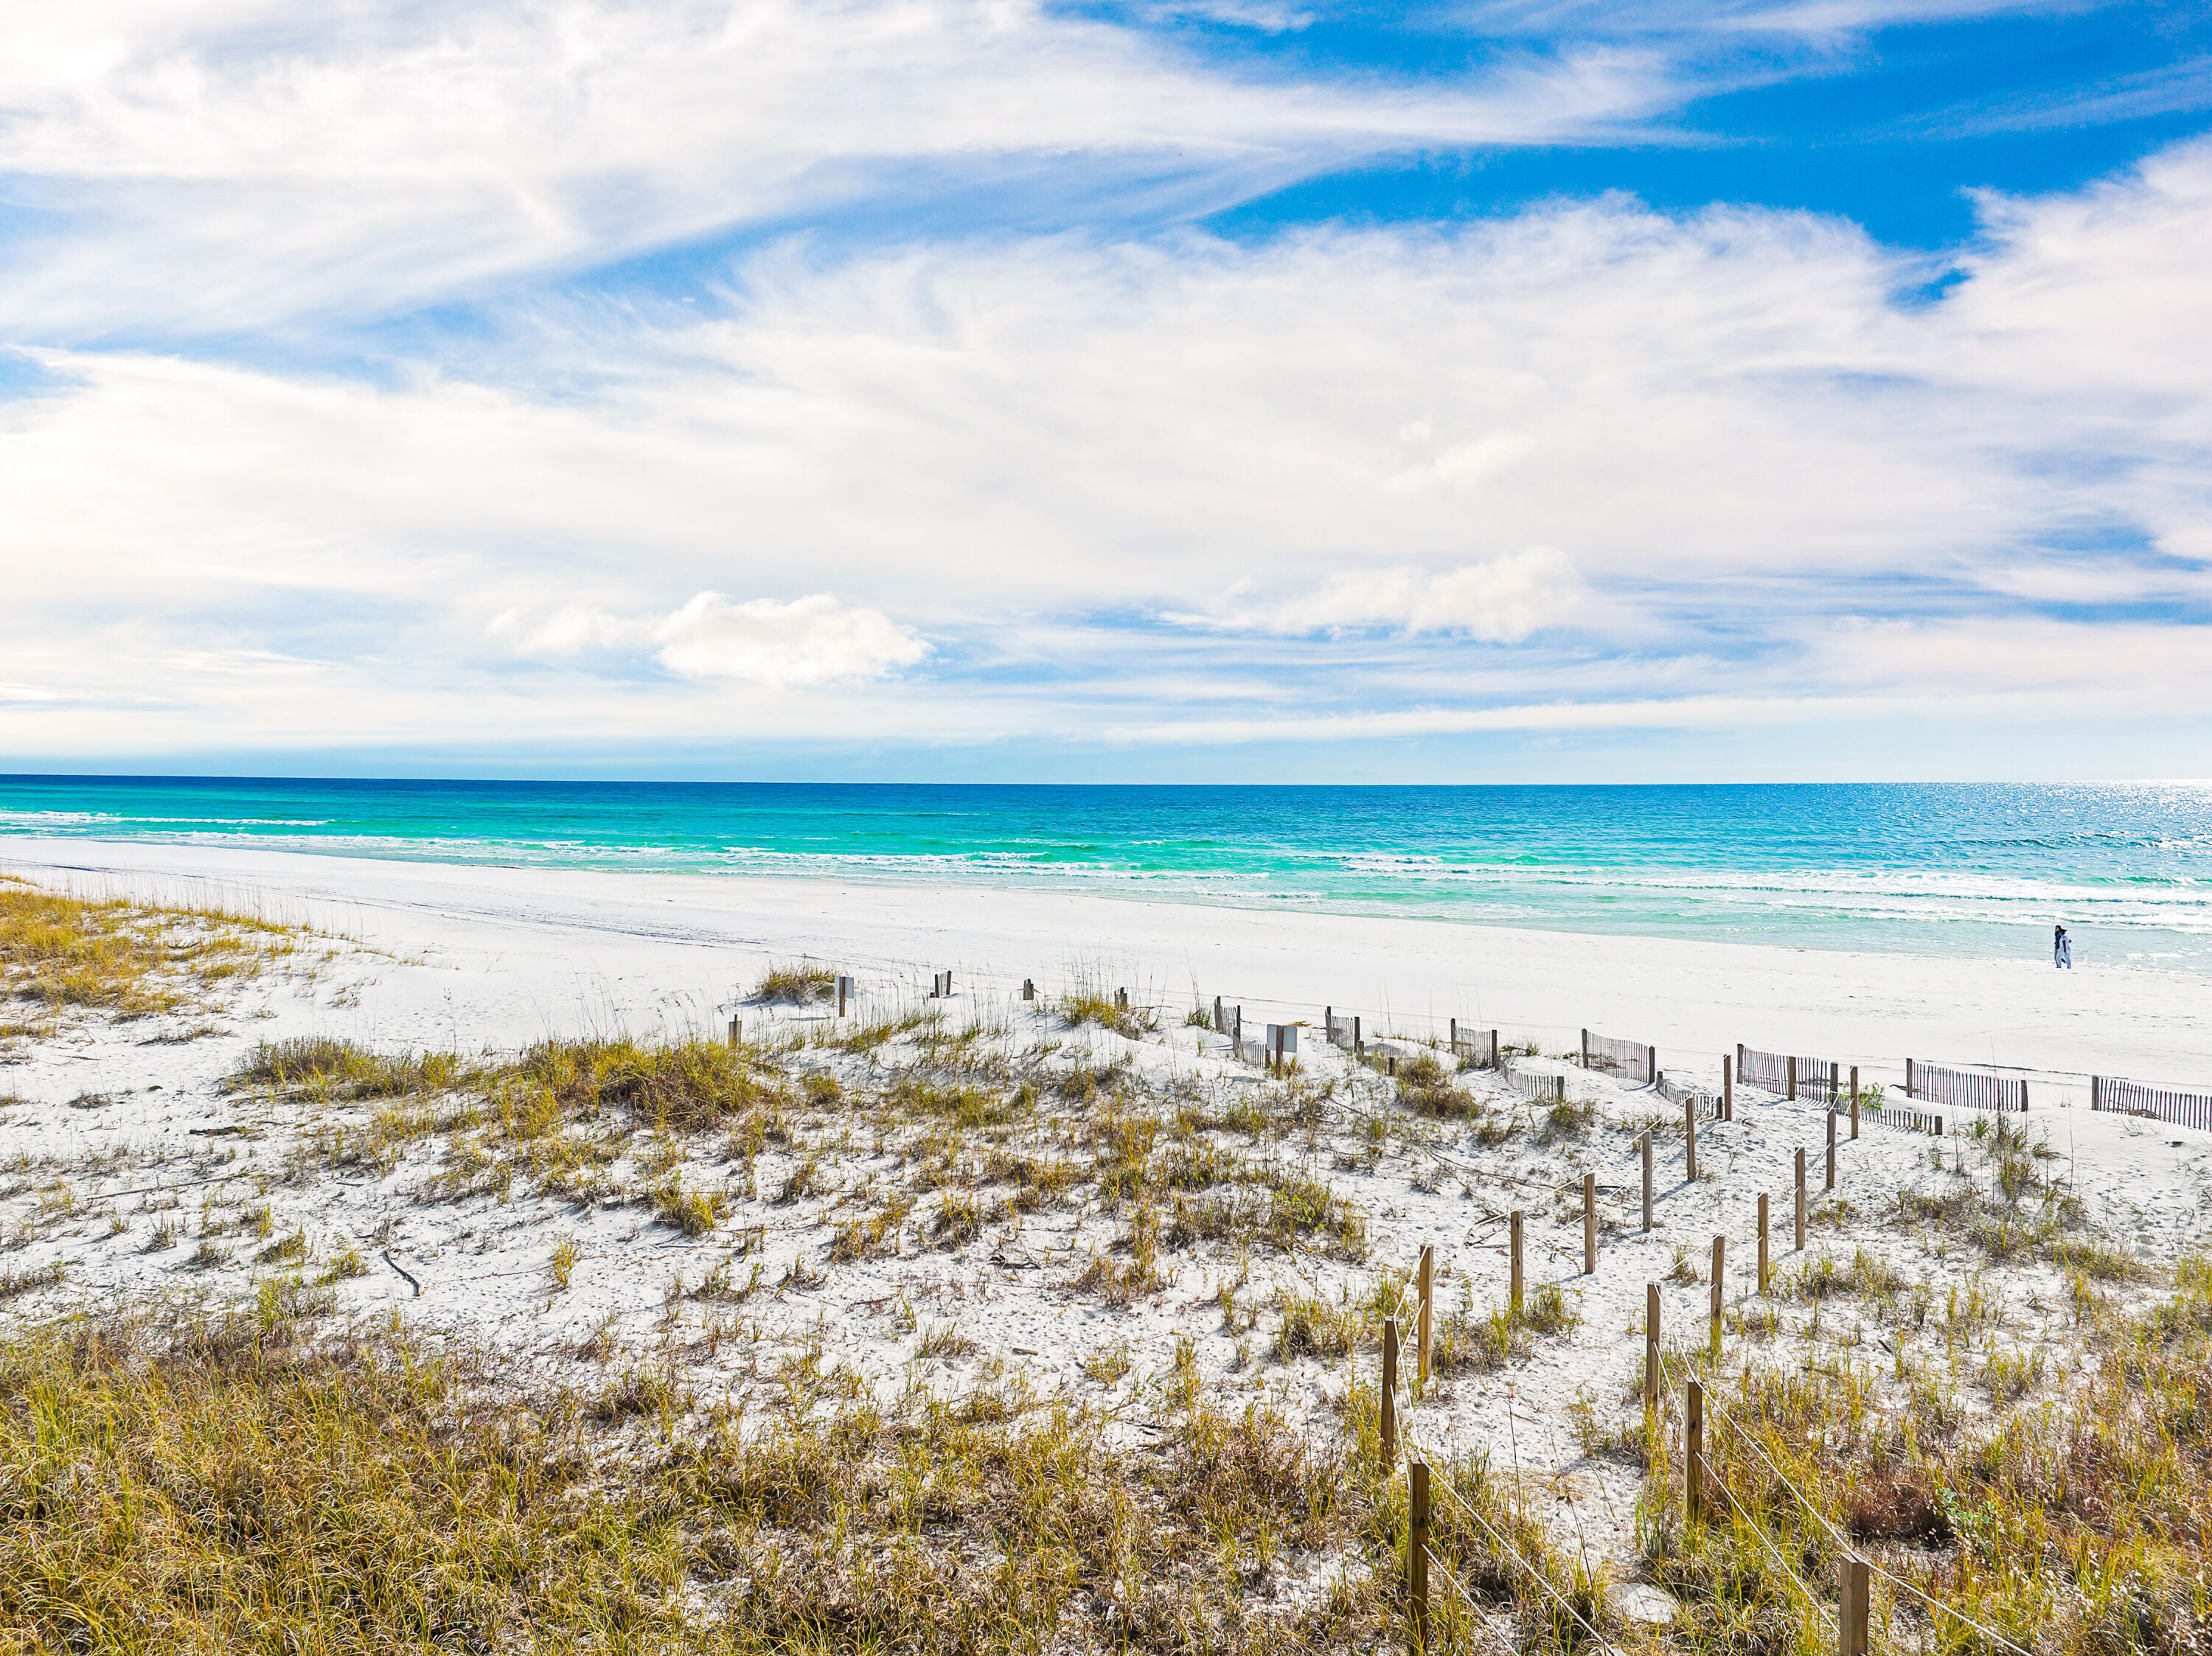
pixel 687 1086
pixel 1108 1011
pixel 799 983
pixel 1427 1089
pixel 347 1068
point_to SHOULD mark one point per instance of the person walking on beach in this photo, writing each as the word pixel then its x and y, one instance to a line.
pixel 2062 948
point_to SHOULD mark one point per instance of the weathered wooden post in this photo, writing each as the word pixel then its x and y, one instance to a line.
pixel 1586 1049
pixel 1589 1224
pixel 1727 1088
pixel 1514 1298
pixel 1690 1139
pixel 1428 1299
pixel 1793 1079
pixel 845 993
pixel 1832 1150
pixel 736 1032
pixel 1800 1201
pixel 1851 1603
pixel 1720 1261
pixel 1417 1551
pixel 1029 992
pixel 1647 1178
pixel 1651 1346
pixel 1693 1453
pixel 1389 1391
pixel 1855 1100
pixel 1762 1245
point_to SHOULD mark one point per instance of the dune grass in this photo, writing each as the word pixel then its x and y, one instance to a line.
pixel 796 983
pixel 130 959
pixel 242 1484
pixel 2073 1521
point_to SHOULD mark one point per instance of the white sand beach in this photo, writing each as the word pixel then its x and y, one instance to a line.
pixel 442 957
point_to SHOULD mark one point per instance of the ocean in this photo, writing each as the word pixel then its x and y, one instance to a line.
pixel 1916 868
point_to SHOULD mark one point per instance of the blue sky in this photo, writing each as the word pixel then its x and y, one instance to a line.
pixel 1241 391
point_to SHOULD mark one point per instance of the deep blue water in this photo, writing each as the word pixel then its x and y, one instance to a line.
pixel 1978 870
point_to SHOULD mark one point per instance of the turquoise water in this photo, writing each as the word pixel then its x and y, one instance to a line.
pixel 1911 868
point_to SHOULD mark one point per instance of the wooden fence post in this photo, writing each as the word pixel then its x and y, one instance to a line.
pixel 1694 1454
pixel 1586 1049
pixel 1720 1264
pixel 1515 1300
pixel 1589 1224
pixel 736 1032
pixel 1651 1068
pixel 1762 1246
pixel 1793 1079
pixel 1647 1178
pixel 1651 1346
pixel 1428 1296
pixel 1832 1150
pixel 1851 1603
pixel 1389 1391
pixel 1690 1143
pixel 1417 1551
pixel 1727 1088
pixel 1908 1078
pixel 1800 1201
pixel 1855 1100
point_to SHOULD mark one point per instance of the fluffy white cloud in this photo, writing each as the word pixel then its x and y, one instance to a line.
pixel 805 642
pixel 1731 430
pixel 808 641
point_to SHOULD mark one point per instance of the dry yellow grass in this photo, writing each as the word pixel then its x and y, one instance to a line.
pixel 130 959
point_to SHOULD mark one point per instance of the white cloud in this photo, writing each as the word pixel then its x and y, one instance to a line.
pixel 226 165
pixel 796 645
pixel 808 641
pixel 1499 601
pixel 1730 428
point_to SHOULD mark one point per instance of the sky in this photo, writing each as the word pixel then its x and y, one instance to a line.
pixel 1241 391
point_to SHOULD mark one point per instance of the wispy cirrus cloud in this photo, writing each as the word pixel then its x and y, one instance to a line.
pixel 1497 601
pixel 230 168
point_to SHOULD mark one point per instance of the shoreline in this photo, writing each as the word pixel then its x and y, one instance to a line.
pixel 549 949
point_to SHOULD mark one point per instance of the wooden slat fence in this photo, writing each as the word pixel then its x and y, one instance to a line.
pixel 1967 1089
pixel 1542 1086
pixel 2133 1098
pixel 1631 1058
pixel 1684 1092
pixel 1341 1031
pixel 1903 1116
pixel 1787 1076
pixel 1479 1044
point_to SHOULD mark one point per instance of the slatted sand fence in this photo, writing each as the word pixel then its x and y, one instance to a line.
pixel 2133 1098
pixel 1688 1092
pixel 1474 1046
pixel 1902 1116
pixel 1786 1074
pixel 1543 1085
pixel 1966 1089
pixel 1633 1058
